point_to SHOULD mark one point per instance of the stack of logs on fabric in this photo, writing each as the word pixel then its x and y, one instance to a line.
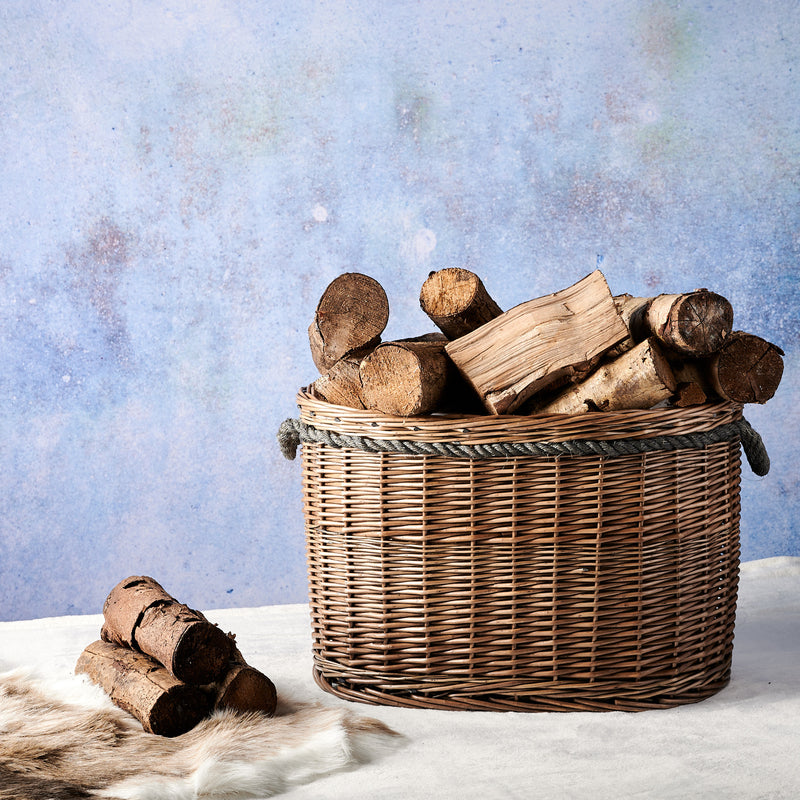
pixel 580 349
pixel 167 664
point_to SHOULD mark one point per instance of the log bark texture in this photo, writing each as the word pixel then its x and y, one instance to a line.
pixel 695 323
pixel 244 688
pixel 457 302
pixel 639 378
pixel 534 344
pixel 138 613
pixel 140 685
pixel 351 315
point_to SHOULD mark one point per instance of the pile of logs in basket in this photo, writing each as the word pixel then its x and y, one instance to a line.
pixel 167 664
pixel 578 350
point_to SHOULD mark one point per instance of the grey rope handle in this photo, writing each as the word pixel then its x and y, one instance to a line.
pixel 293 431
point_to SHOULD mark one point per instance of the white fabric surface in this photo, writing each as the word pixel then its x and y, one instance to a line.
pixel 742 743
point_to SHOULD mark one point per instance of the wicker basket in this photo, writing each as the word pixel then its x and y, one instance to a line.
pixel 597 581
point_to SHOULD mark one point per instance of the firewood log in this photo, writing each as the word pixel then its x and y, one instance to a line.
pixel 533 345
pixel 457 301
pixel 639 378
pixel 244 688
pixel 351 315
pixel 143 687
pixel 341 384
pixel 746 369
pixel 695 323
pixel 138 613
pixel 405 378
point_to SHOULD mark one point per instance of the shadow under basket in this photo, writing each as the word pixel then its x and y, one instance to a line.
pixel 542 563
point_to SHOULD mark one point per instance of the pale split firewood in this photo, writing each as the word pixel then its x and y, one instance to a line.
pixel 695 323
pixel 639 378
pixel 143 687
pixel 534 344
pixel 138 613
pixel 456 301
pixel 746 369
pixel 351 315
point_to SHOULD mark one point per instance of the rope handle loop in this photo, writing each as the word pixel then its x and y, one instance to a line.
pixel 293 432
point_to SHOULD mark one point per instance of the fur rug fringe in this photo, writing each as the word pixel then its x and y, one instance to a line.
pixel 67 741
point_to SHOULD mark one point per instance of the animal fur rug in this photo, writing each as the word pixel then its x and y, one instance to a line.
pixel 66 741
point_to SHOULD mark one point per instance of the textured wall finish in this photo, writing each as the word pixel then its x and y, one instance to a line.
pixel 179 182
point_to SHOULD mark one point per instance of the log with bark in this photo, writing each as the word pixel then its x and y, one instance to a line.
pixel 457 302
pixel 695 323
pixel 341 384
pixel 405 378
pixel 350 316
pixel 746 369
pixel 639 378
pixel 143 687
pixel 138 613
pixel 244 688
pixel 533 345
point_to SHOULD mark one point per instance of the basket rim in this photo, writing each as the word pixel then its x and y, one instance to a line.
pixel 480 429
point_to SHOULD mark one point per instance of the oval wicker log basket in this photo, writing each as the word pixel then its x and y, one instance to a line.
pixel 581 580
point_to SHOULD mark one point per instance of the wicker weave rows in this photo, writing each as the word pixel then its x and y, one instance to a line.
pixel 528 583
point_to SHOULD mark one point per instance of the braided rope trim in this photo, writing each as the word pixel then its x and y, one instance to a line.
pixel 293 431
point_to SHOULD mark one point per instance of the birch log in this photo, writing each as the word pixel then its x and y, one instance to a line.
pixel 639 378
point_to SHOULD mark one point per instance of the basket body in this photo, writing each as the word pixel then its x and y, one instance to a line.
pixel 522 583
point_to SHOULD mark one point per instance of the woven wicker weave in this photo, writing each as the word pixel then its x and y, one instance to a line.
pixel 522 583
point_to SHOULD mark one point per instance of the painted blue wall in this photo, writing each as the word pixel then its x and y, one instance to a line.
pixel 179 182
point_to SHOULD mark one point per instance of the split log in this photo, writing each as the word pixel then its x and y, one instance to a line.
pixel 529 347
pixel 244 688
pixel 143 687
pixel 140 614
pixel 351 315
pixel 746 369
pixel 457 301
pixel 639 378
pixel 695 323
pixel 405 378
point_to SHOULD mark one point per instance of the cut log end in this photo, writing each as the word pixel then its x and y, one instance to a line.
pixel 351 314
pixel 697 323
pixel 748 369
pixel 247 690
pixel 456 301
pixel 202 653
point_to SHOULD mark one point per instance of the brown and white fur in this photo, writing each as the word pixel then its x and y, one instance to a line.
pixel 70 743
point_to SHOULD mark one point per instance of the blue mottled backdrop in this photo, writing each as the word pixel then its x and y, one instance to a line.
pixel 180 181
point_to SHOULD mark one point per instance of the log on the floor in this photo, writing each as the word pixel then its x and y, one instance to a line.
pixel 143 687
pixel 138 613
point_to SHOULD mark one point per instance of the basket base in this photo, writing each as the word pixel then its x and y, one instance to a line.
pixel 647 696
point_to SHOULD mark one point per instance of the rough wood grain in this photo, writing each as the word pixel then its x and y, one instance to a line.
pixel 457 302
pixel 244 688
pixel 639 378
pixel 746 369
pixel 351 315
pixel 536 343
